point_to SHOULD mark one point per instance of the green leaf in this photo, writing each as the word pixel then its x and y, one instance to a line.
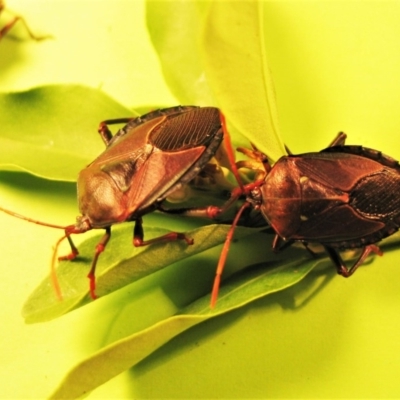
pixel 127 352
pixel 255 282
pixel 238 72
pixel 214 54
pixel 57 124
pixel 120 265
pixel 175 32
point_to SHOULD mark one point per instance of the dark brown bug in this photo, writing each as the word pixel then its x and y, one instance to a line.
pixel 10 24
pixel 146 161
pixel 343 197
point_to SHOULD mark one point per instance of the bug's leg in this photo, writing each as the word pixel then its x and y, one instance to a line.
pixel 305 244
pixel 74 251
pixel 104 130
pixel 257 161
pixel 92 273
pixel 199 212
pixel 230 152
pixel 278 244
pixel 339 140
pixel 16 18
pixel 7 27
pixel 138 236
pixel 340 265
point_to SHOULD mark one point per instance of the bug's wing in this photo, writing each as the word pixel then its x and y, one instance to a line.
pixel 134 123
pixel 157 157
pixel 336 172
pixel 124 158
pixel 347 197
pixel 196 127
pixel 182 146
pixel 336 223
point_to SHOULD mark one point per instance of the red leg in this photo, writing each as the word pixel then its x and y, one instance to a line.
pixel 92 273
pixel 16 18
pixel 138 236
pixel 230 151
pixel 198 212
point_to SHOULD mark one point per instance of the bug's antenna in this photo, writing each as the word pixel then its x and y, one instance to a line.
pixel 53 274
pixel 224 254
pixel 34 221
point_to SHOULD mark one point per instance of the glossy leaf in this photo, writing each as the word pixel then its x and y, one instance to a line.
pixel 249 285
pixel 53 123
pixel 175 32
pixel 238 72
pixel 120 265
pixel 130 350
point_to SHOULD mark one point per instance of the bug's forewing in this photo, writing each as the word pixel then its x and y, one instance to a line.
pixel 326 202
pixel 340 173
pixel 182 144
pixel 148 162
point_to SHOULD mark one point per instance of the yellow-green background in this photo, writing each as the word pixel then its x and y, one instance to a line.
pixel 336 67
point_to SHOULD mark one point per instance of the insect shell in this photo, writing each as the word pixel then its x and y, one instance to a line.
pixel 146 161
pixel 343 197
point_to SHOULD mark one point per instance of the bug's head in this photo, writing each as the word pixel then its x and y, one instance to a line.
pixel 81 225
pixel 254 196
pixel 101 200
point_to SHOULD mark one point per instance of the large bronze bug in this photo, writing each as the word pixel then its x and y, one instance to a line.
pixel 10 24
pixel 343 197
pixel 144 162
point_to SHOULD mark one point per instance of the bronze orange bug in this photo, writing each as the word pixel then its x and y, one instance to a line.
pixel 147 160
pixel 343 197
